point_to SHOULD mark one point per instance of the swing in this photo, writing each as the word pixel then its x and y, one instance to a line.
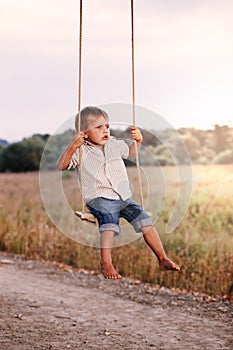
pixel 87 216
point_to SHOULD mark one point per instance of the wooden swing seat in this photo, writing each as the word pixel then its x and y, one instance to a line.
pixel 86 216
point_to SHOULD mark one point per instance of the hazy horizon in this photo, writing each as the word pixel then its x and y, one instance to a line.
pixel 113 128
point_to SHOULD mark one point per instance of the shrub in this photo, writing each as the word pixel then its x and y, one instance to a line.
pixel 225 157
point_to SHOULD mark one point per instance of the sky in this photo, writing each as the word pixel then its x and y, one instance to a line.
pixel 183 61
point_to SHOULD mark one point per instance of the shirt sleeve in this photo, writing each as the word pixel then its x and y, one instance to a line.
pixel 123 148
pixel 74 161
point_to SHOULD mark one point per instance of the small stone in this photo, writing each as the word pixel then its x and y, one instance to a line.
pixel 174 303
pixel 6 262
pixel 19 316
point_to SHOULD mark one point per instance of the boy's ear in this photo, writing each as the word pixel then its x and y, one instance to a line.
pixel 85 135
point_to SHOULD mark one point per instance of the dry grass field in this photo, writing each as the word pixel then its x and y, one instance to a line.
pixel 202 243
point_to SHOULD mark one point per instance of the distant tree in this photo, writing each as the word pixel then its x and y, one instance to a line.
pixel 54 147
pixel 162 154
pixel 193 145
pixel 22 156
pixel 221 137
pixel 225 157
pixel 149 137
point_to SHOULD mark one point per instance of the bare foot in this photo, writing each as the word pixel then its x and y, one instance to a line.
pixel 167 264
pixel 109 272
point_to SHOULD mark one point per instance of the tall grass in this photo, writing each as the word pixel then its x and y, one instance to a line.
pixel 202 244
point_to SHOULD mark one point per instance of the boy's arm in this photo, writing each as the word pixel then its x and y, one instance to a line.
pixel 64 159
pixel 137 136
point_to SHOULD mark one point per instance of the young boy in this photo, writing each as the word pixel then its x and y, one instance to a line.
pixel 105 185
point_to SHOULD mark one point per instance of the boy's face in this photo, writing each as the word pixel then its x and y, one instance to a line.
pixel 98 131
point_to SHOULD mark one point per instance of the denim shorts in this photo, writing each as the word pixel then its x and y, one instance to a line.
pixel 108 212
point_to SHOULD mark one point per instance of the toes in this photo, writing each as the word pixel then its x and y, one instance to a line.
pixel 110 273
pixel 113 276
pixel 168 265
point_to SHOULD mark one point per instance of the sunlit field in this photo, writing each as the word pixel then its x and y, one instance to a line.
pixel 202 243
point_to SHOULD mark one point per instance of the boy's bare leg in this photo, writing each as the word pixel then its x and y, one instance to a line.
pixel 151 237
pixel 107 268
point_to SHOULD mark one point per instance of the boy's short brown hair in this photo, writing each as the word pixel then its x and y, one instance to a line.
pixel 85 113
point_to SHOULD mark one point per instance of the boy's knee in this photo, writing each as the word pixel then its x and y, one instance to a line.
pixel 110 227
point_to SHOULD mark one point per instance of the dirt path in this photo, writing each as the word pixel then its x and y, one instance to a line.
pixel 43 307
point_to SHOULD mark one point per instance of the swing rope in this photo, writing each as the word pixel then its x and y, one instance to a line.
pixel 80 62
pixel 132 62
pixel 133 102
pixel 78 126
pixel 79 95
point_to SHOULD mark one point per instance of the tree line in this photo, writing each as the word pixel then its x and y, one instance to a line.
pixel 203 147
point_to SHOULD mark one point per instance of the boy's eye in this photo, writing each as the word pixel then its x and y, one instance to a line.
pixel 102 126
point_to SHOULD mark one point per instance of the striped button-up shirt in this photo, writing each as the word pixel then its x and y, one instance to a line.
pixel 103 173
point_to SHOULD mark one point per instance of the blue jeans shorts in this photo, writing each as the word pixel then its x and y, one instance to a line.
pixel 108 212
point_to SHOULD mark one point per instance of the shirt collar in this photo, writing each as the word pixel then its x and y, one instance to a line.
pixel 87 143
